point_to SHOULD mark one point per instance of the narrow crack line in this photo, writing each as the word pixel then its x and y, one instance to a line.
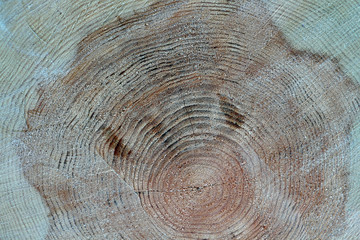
pixel 186 189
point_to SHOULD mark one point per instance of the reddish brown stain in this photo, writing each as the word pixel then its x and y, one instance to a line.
pixel 116 144
pixel 37 110
pixel 233 118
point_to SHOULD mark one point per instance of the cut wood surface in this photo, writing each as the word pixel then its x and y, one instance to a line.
pixel 180 119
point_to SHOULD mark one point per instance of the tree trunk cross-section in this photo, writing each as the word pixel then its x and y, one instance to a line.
pixel 193 120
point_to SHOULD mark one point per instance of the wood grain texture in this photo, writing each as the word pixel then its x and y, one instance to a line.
pixel 190 120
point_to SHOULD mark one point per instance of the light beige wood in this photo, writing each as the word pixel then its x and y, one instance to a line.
pixel 179 120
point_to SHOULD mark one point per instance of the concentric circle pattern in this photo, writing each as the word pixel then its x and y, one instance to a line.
pixel 198 115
